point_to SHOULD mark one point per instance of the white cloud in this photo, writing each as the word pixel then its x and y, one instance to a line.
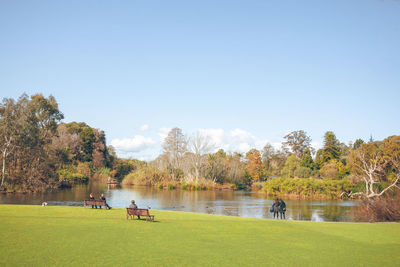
pixel 144 127
pixel 146 155
pixel 244 147
pixel 242 135
pixel 216 136
pixel 135 144
pixel 237 140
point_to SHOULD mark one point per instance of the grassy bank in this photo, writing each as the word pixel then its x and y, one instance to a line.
pixel 35 235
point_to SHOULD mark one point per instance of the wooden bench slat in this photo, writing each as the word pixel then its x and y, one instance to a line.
pixel 139 212
pixel 94 202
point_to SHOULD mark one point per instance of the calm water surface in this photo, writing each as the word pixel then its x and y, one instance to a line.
pixel 232 203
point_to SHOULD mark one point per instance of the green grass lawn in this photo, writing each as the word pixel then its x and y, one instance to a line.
pixel 35 235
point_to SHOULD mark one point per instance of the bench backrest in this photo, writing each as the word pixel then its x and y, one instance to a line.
pixel 137 212
pixel 95 202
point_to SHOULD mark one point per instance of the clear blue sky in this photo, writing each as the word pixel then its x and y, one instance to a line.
pixel 264 67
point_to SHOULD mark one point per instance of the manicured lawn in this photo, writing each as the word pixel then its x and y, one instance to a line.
pixel 57 236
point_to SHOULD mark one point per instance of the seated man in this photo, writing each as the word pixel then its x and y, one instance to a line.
pixel 133 206
pixel 104 199
pixel 91 197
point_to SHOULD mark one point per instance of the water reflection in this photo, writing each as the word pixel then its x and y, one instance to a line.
pixel 232 203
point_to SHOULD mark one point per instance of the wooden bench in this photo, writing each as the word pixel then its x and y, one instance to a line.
pixel 94 203
pixel 139 212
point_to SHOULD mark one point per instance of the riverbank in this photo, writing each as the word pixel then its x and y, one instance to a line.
pixel 283 187
pixel 61 236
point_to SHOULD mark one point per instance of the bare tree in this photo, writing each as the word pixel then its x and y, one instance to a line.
pixel 199 146
pixel 369 164
pixel 175 146
pixel 369 169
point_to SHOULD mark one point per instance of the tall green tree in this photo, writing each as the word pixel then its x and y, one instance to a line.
pixel 87 138
pixel 332 147
pixel 28 126
pixel 306 160
pixel 291 164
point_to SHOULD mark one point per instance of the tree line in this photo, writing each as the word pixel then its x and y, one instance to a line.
pixel 38 152
pixel 358 168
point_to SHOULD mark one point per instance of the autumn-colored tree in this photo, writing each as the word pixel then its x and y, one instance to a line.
pixel 254 165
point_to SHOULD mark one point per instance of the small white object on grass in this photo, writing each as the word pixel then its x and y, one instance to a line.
pixel 44 204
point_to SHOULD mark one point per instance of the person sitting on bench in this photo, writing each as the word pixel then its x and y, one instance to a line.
pixel 102 197
pixel 134 206
pixel 91 197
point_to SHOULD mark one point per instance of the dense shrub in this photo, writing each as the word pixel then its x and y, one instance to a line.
pixel 122 167
pixel 145 176
pixel 307 187
pixel 257 185
pixel 72 174
pixel 171 187
pixel 329 170
pixel 302 172
pixel 104 170
pixel 185 186
pixel 101 175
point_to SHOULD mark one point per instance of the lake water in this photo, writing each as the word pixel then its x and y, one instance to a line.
pixel 222 202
